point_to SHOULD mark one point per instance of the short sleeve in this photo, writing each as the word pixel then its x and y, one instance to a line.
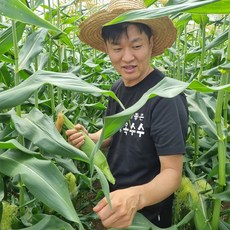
pixel 169 123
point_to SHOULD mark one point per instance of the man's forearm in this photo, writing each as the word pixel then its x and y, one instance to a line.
pixel 161 187
pixel 164 184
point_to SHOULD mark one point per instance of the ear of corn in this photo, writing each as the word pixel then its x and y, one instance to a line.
pixel 71 180
pixel 59 122
pixel 8 215
pixel 99 158
pixel 190 196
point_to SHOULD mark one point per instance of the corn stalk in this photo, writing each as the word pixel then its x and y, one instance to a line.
pixel 222 99
pixel 18 111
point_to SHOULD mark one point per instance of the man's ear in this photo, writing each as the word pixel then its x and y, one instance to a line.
pixel 106 47
pixel 151 41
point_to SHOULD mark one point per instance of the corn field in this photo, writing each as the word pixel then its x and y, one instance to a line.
pixel 45 183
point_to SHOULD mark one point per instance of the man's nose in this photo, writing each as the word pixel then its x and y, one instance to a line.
pixel 127 55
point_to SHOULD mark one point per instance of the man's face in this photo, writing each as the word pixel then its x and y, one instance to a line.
pixel 131 55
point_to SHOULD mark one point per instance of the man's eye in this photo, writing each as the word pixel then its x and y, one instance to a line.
pixel 117 49
pixel 137 47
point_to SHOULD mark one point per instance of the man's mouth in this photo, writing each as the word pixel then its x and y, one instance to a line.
pixel 129 68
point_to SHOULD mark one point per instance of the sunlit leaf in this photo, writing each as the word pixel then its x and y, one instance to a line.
pixel 149 2
pixel 16 10
pixel 157 12
pixel 219 7
pixel 201 19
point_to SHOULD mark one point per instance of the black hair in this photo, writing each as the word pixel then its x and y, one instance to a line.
pixel 114 32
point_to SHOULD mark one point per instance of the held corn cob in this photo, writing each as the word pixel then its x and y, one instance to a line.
pixel 59 122
pixel 88 146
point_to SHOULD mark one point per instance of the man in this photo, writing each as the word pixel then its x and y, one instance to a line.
pixel 146 155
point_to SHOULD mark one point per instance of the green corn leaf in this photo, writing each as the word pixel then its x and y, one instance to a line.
pixel 16 10
pixel 142 223
pixel 41 131
pixel 205 157
pixel 201 19
pixel 200 218
pixel 225 66
pixel 17 95
pixel 186 219
pixel 14 144
pixel 5 75
pixel 1 192
pixel 6 37
pixel 183 20
pixel 38 3
pixel 64 39
pixel 223 196
pixel 219 7
pixel 200 115
pixel 168 88
pixel 32 47
pixel 149 2
pixel 158 12
pixel 48 222
pixel 176 2
pixel 191 193
pixel 6 59
pixel 224 225
pixel 104 184
pixel 214 43
pixel 43 179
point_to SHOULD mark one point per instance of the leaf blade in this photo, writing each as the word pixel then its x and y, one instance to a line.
pixel 42 178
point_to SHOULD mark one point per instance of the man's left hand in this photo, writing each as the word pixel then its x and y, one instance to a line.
pixel 125 203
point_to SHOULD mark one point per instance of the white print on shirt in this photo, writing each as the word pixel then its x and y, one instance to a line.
pixel 141 128
pixel 134 126
pixel 137 116
pixel 126 129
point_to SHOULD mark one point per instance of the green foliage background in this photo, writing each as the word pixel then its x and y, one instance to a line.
pixel 45 183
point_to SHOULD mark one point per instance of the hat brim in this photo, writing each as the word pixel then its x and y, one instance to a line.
pixel 164 32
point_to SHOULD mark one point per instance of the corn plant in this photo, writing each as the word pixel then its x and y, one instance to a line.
pixel 45 183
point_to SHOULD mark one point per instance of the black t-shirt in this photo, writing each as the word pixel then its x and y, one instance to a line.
pixel 158 128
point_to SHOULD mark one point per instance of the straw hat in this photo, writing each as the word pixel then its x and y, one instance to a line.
pixel 164 32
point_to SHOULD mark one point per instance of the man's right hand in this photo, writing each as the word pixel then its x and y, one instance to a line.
pixel 75 137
